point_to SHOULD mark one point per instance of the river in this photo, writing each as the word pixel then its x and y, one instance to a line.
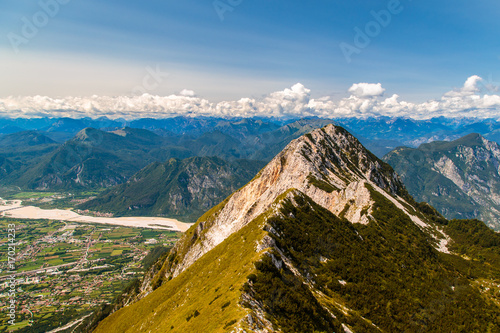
pixel 14 209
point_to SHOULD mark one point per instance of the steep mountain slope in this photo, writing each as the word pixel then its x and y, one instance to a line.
pixel 183 189
pixel 460 178
pixel 6 167
pixel 324 239
pixel 329 165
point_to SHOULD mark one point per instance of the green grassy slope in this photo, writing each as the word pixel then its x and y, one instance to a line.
pixel 204 298
pixel 322 272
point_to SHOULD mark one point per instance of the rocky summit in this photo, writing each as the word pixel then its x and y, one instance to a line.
pixel 324 239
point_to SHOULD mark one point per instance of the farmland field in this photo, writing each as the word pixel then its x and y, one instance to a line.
pixel 65 271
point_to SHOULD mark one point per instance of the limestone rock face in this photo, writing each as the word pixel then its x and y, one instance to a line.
pixel 329 165
pixel 460 178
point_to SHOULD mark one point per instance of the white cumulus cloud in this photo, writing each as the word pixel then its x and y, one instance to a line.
pixel 364 90
pixel 470 88
pixel 366 100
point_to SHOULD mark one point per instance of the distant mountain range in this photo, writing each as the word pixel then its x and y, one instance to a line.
pixel 324 239
pixel 66 154
pixel 460 178
pixel 92 159
pixel 95 158
pixel 392 131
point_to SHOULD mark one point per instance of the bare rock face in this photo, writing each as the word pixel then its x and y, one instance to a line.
pixel 460 178
pixel 329 165
pixel 476 171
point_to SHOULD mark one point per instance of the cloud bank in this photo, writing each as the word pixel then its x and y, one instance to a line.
pixel 475 98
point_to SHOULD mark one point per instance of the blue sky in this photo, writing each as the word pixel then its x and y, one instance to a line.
pixel 105 47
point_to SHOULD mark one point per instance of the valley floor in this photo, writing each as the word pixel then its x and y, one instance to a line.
pixel 14 209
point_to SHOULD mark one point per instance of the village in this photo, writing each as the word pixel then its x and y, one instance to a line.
pixel 67 270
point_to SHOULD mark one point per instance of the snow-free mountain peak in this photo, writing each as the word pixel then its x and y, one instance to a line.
pixel 329 165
